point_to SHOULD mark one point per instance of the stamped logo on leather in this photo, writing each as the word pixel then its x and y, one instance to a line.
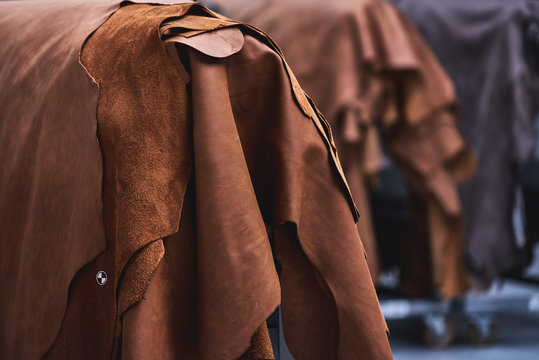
pixel 101 278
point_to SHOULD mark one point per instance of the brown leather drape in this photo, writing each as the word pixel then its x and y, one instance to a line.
pixel 368 70
pixel 200 151
pixel 51 168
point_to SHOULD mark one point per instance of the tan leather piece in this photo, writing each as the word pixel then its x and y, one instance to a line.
pixel 282 164
pixel 177 28
pixel 51 167
pixel 451 275
pixel 289 161
pixel 301 319
pixel 147 163
pixel 225 105
pixel 427 150
pixel 190 25
pixel 163 324
pixel 138 272
pixel 257 158
pixel 234 256
pixel 434 157
pixel 367 68
pixel 146 150
pixel 100 49
pixel 221 43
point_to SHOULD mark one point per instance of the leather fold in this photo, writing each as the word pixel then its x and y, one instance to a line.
pixel 288 159
pixel 189 164
pixel 373 76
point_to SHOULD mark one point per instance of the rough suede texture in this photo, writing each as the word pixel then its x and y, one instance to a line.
pixel 143 130
pixel 368 70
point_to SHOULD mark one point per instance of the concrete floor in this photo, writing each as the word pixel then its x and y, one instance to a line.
pixel 518 339
pixel 517 321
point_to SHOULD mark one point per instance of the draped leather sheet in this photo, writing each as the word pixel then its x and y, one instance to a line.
pixel 50 178
pixel 368 70
pixel 482 46
pixel 198 151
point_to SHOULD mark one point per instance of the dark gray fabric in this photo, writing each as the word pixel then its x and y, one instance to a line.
pixel 481 45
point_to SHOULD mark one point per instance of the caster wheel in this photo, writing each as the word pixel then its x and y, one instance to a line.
pixel 482 331
pixel 439 331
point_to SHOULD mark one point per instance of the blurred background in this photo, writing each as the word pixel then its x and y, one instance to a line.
pixel 433 106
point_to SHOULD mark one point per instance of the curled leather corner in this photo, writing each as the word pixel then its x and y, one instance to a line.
pixel 138 273
pixel 220 43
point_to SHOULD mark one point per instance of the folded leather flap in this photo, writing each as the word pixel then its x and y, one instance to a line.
pixel 207 34
pixel 219 43
pixel 193 22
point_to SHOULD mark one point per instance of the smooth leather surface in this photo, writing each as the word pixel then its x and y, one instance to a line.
pixel 51 167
